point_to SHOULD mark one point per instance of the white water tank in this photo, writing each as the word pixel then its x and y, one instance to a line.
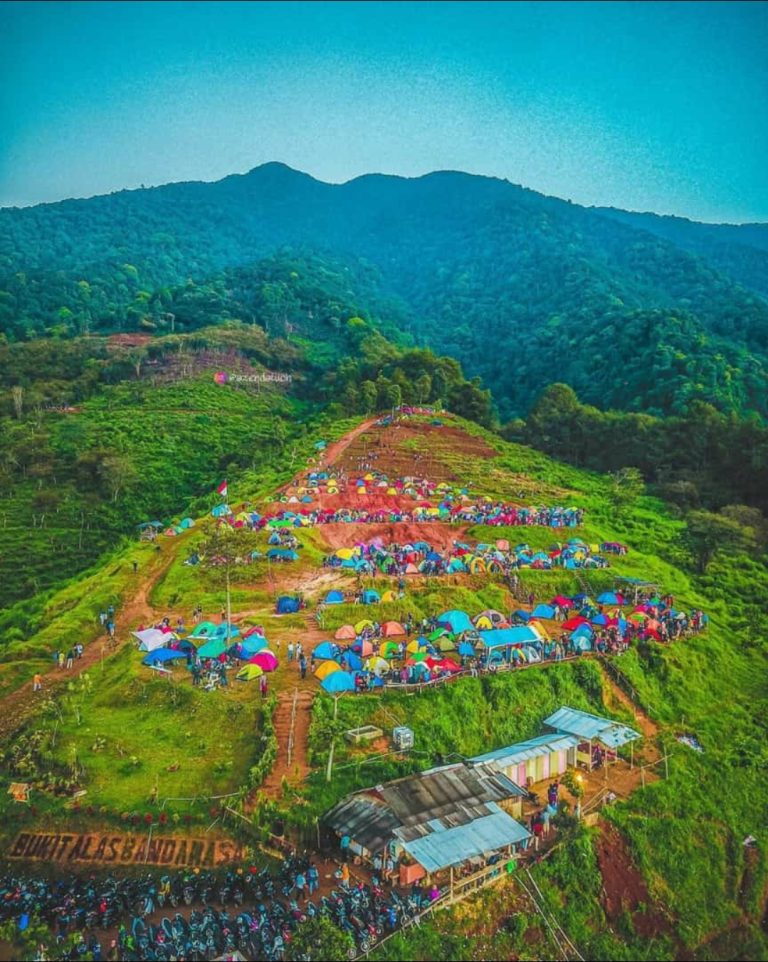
pixel 402 738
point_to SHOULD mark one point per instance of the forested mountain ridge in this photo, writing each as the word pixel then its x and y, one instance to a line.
pixel 523 289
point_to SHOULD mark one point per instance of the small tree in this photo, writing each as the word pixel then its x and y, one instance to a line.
pixel 319 938
pixel 707 533
pixel 626 486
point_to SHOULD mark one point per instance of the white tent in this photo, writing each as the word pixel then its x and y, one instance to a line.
pixel 152 638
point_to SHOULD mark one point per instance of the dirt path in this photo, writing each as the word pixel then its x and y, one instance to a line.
pixel 18 705
pixel 292 732
pixel 335 450
pixel 619 698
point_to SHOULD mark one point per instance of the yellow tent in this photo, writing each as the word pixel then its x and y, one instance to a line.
pixel 326 668
pixel 346 553
pixel 362 625
pixel 391 490
pixel 368 477
pixel 362 491
pixel 483 623
pixel 388 596
pixel 377 664
pixel 249 672
pixel 477 566
pixel 412 646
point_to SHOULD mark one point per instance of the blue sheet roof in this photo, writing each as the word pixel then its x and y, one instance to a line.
pixel 574 722
pixel 501 637
pixel 532 748
pixel 444 846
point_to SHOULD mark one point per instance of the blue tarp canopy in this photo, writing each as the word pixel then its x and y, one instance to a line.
pixel 449 845
pixel 161 655
pixel 591 727
pixel 503 637
pixel 334 598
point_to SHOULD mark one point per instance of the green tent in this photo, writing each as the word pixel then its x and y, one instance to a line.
pixel 249 672
pixel 212 648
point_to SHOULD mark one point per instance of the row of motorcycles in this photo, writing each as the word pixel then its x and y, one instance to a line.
pixel 252 912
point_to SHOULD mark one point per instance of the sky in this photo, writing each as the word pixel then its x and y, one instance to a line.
pixel 645 106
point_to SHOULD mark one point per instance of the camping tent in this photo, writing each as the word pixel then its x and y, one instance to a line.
pixel 392 628
pixel 334 598
pixel 543 611
pixel 204 629
pixel 338 682
pixel 455 621
pixel 345 633
pixel 287 605
pixel 212 648
pixel 266 660
pixel 370 597
pixel 326 649
pixel 326 668
pixel 249 672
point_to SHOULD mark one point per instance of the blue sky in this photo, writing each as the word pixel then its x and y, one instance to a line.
pixel 648 106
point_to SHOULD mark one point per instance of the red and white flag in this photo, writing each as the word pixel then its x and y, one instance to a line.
pixel 222 489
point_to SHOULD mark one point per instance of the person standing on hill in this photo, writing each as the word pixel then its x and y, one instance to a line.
pixel 37 682
pixel 70 658
pixel 303 665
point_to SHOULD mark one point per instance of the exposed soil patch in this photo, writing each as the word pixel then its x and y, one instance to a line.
pixel 440 536
pixel 624 888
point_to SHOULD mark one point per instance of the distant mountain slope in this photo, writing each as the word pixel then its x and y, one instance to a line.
pixel 738 250
pixel 523 289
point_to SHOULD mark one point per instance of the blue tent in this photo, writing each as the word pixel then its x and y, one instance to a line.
pixel 370 597
pixel 581 642
pixel 274 538
pixel 455 621
pixel 225 631
pixel 221 510
pixel 334 598
pixel 326 650
pixel 338 682
pixel 609 598
pixel 600 620
pixel 522 615
pixel 352 661
pixel 253 644
pixel 543 611
pixel 583 631
pixel 162 655
pixel 287 605
pixel 282 554
pixel 465 648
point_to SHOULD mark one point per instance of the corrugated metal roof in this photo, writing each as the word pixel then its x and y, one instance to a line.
pixel 434 793
pixel 365 819
pixel 450 796
pixel 451 846
pixel 533 748
pixel 582 723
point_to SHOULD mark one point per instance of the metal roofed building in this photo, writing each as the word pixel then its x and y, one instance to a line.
pixel 444 846
pixel 448 815
pixel 590 728
pixel 546 756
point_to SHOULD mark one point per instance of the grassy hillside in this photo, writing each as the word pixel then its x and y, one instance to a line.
pixel 684 833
